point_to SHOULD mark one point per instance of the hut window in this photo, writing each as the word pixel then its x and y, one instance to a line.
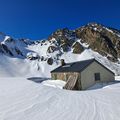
pixel 97 76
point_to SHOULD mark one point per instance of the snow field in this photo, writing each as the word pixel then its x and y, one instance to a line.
pixel 22 99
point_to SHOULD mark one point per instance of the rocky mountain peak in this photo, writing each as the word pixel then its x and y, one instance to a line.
pixel 64 38
pixel 101 39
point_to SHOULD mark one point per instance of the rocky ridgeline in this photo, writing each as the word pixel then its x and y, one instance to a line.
pixel 9 47
pixel 104 40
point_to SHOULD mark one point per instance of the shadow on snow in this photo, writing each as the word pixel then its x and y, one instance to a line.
pixel 38 79
pixel 102 85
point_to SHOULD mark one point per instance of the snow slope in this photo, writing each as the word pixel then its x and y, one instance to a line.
pixel 16 67
pixel 21 99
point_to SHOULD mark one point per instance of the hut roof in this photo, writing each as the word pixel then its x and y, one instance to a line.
pixel 77 66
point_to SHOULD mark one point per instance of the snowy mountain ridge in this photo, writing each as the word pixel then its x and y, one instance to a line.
pixel 23 57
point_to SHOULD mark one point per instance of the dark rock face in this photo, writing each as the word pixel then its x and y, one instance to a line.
pixel 50 61
pixel 65 47
pixel 18 51
pixel 33 58
pixel 5 48
pixel 77 48
pixel 51 49
pixel 64 38
pixel 1 51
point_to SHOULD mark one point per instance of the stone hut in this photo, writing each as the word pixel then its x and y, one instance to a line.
pixel 82 74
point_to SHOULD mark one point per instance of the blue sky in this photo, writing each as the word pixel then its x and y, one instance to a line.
pixel 37 19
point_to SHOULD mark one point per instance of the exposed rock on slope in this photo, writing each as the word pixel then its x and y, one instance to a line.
pixel 101 39
pixel 77 48
pixel 50 61
pixel 52 49
pixel 64 38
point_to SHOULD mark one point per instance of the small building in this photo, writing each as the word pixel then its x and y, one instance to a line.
pixel 83 74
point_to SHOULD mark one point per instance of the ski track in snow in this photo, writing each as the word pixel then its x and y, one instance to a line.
pixel 22 99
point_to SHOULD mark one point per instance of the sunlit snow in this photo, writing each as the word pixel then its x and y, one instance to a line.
pixel 23 99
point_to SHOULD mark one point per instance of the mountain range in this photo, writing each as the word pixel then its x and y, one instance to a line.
pixel 24 57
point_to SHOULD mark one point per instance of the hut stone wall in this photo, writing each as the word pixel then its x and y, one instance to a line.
pixel 62 75
pixel 65 76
